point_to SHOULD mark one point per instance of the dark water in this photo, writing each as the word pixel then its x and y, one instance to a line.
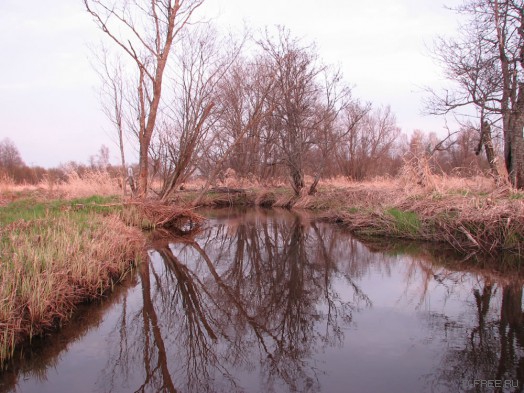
pixel 270 301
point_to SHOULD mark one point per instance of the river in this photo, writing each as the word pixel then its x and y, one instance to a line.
pixel 275 301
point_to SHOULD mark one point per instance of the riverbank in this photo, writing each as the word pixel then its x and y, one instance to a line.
pixel 58 250
pixel 56 254
pixel 472 215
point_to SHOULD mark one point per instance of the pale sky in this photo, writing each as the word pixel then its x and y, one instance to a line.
pixel 49 105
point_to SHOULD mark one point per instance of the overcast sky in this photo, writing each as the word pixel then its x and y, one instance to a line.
pixel 48 90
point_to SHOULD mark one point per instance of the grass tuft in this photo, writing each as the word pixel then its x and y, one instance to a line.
pixel 406 222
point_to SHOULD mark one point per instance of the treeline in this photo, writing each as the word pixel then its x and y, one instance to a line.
pixel 14 169
pixel 376 148
pixel 194 102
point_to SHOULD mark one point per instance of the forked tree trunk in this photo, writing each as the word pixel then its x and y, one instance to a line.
pixel 166 19
pixel 487 142
pixel 297 179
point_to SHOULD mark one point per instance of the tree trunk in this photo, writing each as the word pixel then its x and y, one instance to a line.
pixel 313 188
pixel 297 179
pixel 122 158
pixel 487 142
pixel 514 142
pixel 143 171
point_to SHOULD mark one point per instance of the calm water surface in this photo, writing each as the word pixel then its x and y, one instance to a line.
pixel 271 301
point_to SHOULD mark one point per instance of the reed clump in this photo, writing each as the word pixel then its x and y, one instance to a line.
pixel 94 182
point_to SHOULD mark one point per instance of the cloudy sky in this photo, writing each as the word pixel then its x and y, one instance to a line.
pixel 48 90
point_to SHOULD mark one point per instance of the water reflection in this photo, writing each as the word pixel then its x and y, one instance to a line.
pixel 274 301
pixel 34 360
pixel 487 348
pixel 249 295
pixel 484 343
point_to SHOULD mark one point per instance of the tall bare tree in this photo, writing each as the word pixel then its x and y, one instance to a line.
pixel 243 107
pixel 113 92
pixel 201 65
pixel 368 141
pixel 487 63
pixel 243 110
pixel 146 32
pixel 296 98
pixel 339 116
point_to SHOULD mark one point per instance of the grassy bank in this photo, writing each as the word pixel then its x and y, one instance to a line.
pixel 55 255
pixel 469 221
pixel 472 215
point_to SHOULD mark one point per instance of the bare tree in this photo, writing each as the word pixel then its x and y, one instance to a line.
pixel 201 65
pixel 113 91
pixel 10 159
pixel 145 31
pixel 100 161
pixel 330 130
pixel 367 142
pixel 242 108
pixel 242 114
pixel 296 98
pixel 487 61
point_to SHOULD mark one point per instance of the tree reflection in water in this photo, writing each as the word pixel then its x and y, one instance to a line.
pixel 262 301
pixel 489 347
pixel 485 341
pixel 255 293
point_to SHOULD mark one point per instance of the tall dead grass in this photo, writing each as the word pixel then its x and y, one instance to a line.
pixel 5 182
pixel 48 266
pixel 473 214
pixel 8 185
pixel 90 183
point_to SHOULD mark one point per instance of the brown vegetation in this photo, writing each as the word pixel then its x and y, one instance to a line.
pixel 155 215
pixel 472 215
pixel 50 265
pixel 57 252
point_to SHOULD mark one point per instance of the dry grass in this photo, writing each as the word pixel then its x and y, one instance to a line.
pixel 5 183
pixel 472 214
pixel 154 215
pixel 9 190
pixel 90 183
pixel 50 265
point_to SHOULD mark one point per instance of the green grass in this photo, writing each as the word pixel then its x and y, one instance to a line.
pixel 516 195
pixel 55 254
pixel 406 222
pixel 29 209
